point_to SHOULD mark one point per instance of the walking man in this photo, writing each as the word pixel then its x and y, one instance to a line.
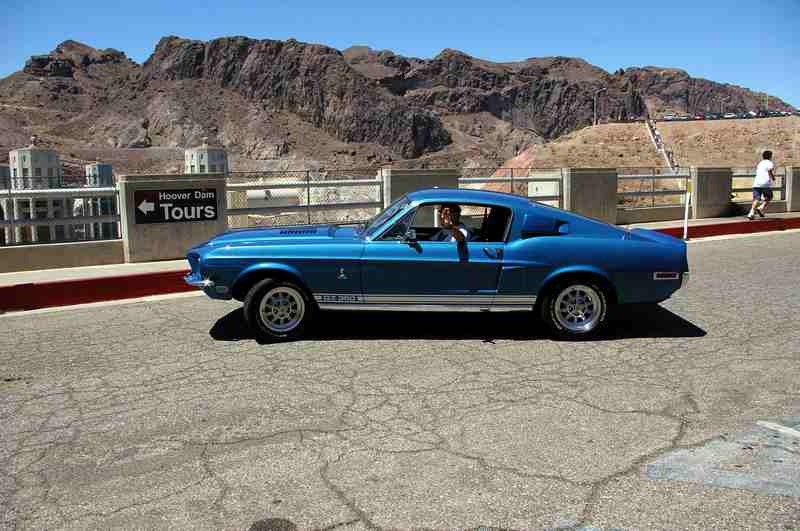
pixel 762 185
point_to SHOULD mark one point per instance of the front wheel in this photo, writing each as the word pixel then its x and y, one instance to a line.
pixel 575 309
pixel 277 309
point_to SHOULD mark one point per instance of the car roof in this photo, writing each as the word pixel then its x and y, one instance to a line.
pixel 465 195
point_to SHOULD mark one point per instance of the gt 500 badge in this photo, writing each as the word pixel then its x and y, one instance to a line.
pixel 333 297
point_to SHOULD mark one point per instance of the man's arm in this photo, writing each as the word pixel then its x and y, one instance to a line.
pixel 457 234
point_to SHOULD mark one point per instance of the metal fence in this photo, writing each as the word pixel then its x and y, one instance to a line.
pixel 742 184
pixel 651 187
pixel 37 210
pixel 346 196
pixel 276 198
pixel 543 185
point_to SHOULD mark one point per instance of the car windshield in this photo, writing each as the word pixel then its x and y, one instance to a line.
pixel 373 224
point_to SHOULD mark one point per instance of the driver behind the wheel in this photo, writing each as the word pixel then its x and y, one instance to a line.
pixel 452 229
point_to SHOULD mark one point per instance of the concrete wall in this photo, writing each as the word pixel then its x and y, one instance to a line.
pixel 793 189
pixel 591 192
pixel 398 182
pixel 165 241
pixel 711 192
pixel 58 255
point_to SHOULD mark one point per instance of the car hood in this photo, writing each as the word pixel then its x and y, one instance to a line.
pixel 286 235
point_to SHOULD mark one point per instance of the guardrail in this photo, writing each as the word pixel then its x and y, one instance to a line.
pixel 292 197
pixel 742 194
pixel 656 188
pixel 548 182
pixel 67 214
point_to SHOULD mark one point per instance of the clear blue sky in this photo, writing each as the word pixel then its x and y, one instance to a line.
pixel 754 44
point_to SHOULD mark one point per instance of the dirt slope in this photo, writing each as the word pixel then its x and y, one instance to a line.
pixel 735 143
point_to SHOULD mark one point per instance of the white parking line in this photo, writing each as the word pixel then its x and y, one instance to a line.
pixel 151 298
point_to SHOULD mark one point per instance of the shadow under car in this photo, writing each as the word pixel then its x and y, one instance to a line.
pixel 626 322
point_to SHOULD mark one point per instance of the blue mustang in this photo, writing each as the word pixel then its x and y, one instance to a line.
pixel 443 250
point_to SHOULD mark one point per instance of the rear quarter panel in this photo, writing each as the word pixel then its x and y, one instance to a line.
pixel 628 265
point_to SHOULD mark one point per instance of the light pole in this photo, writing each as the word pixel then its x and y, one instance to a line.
pixel 595 103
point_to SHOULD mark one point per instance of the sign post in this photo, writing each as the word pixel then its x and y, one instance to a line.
pixel 686 210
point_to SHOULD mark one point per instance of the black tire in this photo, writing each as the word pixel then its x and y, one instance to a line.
pixel 558 300
pixel 282 301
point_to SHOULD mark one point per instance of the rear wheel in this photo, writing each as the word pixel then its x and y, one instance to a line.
pixel 277 309
pixel 575 309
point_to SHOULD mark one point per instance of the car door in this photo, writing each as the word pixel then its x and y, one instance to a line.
pixel 397 270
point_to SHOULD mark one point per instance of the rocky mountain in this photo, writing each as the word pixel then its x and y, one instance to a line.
pixel 268 99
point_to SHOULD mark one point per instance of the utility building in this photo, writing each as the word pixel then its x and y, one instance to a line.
pixel 206 159
pixel 35 168
pixel 99 176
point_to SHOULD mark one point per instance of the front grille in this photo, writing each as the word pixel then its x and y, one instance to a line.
pixel 194 259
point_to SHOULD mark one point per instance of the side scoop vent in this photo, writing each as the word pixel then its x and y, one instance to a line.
pixel 297 232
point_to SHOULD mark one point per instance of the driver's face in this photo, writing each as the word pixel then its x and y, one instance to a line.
pixel 448 216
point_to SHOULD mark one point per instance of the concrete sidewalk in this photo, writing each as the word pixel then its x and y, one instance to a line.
pixel 30 290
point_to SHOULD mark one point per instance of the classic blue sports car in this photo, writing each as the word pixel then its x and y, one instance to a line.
pixel 443 250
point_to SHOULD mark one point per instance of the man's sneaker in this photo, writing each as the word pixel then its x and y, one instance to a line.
pixel 760 212
pixel 750 217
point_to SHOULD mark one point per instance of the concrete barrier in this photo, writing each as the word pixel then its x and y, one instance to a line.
pixel 711 192
pixel 792 189
pixel 591 192
pixel 145 242
pixel 59 255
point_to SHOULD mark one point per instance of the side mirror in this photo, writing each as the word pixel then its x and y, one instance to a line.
pixel 410 236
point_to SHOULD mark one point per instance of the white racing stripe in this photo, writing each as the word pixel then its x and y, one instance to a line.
pixel 425 302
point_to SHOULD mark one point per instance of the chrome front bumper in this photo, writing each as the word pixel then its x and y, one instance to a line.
pixel 194 279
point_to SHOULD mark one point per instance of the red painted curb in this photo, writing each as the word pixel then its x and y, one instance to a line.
pixel 738 227
pixel 36 295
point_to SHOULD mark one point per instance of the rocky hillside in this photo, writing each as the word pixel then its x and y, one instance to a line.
pixel 291 101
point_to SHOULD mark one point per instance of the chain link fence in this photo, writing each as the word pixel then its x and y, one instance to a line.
pixel 279 198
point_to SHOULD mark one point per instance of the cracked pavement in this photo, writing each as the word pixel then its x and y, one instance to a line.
pixel 167 414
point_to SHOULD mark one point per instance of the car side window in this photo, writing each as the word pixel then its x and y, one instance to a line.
pixel 398 230
pixel 494 226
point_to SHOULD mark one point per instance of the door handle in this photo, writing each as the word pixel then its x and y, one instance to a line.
pixel 493 253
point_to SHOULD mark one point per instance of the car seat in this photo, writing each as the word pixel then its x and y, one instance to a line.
pixel 494 228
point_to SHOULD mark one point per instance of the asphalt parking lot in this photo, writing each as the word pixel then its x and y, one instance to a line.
pixel 167 414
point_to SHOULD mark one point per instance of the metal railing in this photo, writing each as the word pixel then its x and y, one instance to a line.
pixel 542 185
pixel 35 210
pixel 742 184
pixel 276 198
pixel 651 187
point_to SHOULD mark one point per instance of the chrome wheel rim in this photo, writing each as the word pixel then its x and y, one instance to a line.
pixel 579 308
pixel 282 309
